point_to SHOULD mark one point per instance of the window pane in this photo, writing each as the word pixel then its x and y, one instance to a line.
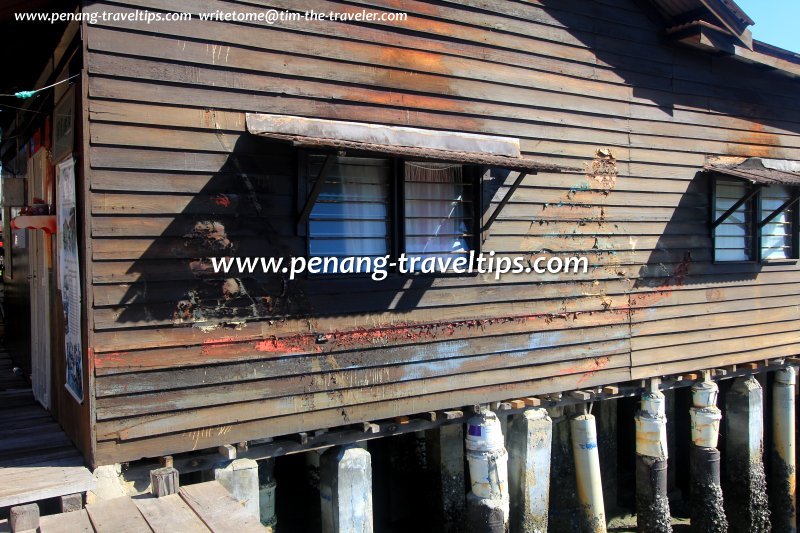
pixel 351 214
pixel 438 209
pixel 732 238
pixel 776 236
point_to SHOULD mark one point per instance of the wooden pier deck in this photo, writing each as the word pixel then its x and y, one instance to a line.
pixel 37 460
pixel 200 508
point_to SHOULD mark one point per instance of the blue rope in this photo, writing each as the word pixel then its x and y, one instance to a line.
pixel 30 94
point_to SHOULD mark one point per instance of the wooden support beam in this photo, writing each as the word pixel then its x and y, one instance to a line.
pixel 301 437
pixel 71 502
pixel 532 402
pixel 369 427
pixel 330 159
pixel 24 518
pixel 166 461
pixel 227 451
pixel 580 395
pixel 517 404
pixel 164 481
pixel 611 389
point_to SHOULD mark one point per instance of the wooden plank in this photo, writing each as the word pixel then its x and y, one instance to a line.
pixel 118 515
pixel 72 522
pixel 218 509
pixel 115 451
pixel 169 514
pixel 428 380
pixel 28 484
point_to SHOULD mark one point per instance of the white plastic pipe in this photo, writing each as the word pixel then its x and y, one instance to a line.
pixel 487 459
pixel 783 424
pixel 587 473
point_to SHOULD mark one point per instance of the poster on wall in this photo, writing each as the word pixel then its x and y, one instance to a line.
pixel 69 275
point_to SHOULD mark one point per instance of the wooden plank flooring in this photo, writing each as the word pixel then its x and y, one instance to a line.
pixel 37 460
pixel 199 508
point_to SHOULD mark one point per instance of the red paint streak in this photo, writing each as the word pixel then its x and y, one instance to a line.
pixel 598 364
pixel 296 344
pixel 111 357
pixel 372 337
pixel 666 289
pixel 222 200
pixel 682 270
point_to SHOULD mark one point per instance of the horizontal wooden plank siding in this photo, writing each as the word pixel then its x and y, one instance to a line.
pixel 185 358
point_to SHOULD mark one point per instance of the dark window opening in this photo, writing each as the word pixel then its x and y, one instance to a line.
pixel 374 207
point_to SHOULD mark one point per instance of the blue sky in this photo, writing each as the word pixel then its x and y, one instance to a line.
pixel 777 21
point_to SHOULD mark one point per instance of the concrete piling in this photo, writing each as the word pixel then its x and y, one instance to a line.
pixel 746 493
pixel 529 439
pixel 444 457
pixel 346 490
pixel 587 473
pixel 605 413
pixel 312 460
pixel 488 473
pixel 240 477
pixel 783 486
pixel 485 515
pixel 652 503
pixel 707 512
pixel 563 512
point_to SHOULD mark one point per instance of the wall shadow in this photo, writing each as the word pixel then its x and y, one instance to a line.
pixel 249 209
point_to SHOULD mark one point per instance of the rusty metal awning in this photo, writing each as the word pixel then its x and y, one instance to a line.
pixel 762 171
pixel 398 141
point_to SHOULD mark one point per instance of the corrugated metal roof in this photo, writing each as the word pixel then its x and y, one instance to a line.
pixel 759 170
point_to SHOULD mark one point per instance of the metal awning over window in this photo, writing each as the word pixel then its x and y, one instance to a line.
pixel 762 171
pixel 397 141
pixel 762 211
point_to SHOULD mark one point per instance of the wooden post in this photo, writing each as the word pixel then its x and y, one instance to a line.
pixel 164 481
pixel 71 502
pixel 24 518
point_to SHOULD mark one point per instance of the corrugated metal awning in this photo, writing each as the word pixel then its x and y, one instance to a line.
pixel 763 171
pixel 398 141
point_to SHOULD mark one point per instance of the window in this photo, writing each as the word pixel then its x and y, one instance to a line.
pixel 371 207
pixel 754 221
pixel 438 209
pixel 777 233
pixel 351 214
pixel 733 237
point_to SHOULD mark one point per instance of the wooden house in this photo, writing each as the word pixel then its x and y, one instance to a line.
pixel 656 138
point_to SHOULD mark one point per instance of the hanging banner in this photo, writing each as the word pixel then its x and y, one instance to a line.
pixel 69 275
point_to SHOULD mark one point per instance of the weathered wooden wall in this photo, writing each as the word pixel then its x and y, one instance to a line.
pixel 186 360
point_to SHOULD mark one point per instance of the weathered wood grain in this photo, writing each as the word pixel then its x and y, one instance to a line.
pixel 566 79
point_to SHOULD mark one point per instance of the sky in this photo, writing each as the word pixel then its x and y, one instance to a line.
pixel 777 21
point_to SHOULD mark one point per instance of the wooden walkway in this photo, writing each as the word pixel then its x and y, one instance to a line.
pixel 37 460
pixel 200 508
